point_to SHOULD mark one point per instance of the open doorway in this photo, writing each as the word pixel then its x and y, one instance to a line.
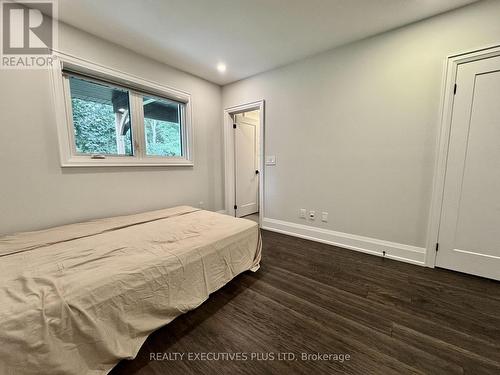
pixel 246 164
pixel 243 135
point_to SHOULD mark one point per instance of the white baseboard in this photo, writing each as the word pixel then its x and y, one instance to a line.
pixel 393 250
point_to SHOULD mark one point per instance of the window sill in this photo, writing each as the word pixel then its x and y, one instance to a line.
pixel 113 162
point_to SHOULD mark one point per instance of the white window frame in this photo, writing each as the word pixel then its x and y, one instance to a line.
pixel 137 87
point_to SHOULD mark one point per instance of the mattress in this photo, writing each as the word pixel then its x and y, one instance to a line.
pixel 79 298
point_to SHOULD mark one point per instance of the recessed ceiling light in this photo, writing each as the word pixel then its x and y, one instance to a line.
pixel 221 67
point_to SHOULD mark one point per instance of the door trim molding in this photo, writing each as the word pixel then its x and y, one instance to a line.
pixel 229 154
pixel 447 99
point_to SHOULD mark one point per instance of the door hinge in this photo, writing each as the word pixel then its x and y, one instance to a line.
pixel 234 126
pixel 455 89
pixel 437 247
pixel 235 207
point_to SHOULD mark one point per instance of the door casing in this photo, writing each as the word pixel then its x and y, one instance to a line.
pixel 447 99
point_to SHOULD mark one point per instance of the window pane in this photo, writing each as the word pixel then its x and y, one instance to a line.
pixel 101 118
pixel 162 127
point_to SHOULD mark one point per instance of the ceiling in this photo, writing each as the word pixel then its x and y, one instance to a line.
pixel 249 36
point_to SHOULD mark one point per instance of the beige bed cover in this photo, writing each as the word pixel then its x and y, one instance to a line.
pixel 79 298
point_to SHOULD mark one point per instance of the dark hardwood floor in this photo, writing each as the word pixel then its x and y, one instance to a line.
pixel 390 317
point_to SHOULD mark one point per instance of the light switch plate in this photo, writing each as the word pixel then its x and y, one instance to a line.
pixel 271 160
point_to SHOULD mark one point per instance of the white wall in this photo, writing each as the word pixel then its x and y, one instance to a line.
pixel 35 192
pixel 355 129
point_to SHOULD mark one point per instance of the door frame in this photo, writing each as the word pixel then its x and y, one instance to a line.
pixel 451 65
pixel 229 183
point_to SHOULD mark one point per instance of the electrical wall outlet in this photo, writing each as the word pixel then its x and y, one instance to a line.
pixel 324 217
pixel 302 213
pixel 312 215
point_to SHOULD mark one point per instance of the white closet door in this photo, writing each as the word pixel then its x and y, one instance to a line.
pixel 246 165
pixel 469 236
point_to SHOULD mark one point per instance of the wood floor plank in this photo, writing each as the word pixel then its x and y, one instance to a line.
pixel 392 317
pixel 470 362
pixel 393 292
pixel 302 330
pixel 360 336
pixel 449 279
pixel 327 296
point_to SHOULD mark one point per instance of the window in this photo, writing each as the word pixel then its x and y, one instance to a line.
pixel 162 122
pixel 109 118
pixel 101 118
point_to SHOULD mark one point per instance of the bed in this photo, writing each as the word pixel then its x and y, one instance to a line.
pixel 79 298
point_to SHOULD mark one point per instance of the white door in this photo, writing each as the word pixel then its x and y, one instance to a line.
pixel 246 136
pixel 469 235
